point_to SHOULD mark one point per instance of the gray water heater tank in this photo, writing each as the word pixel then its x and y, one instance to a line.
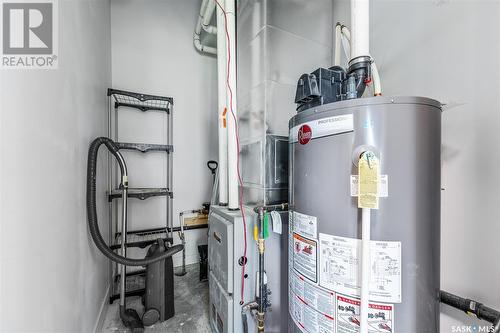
pixel 325 222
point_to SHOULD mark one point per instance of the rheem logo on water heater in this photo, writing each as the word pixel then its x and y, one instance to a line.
pixel 305 134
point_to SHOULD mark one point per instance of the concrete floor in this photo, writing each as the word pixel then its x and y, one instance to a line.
pixel 191 308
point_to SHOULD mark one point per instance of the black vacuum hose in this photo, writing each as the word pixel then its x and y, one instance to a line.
pixel 496 326
pixel 92 210
pixel 470 307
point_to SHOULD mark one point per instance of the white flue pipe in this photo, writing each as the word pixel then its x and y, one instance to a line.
pixel 360 28
pixel 197 31
pixel 232 149
pixel 223 118
pixel 365 268
pixel 207 17
pixel 345 35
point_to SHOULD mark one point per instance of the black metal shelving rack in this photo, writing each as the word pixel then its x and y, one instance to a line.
pixel 137 238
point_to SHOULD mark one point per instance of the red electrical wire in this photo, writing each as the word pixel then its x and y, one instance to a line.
pixel 240 180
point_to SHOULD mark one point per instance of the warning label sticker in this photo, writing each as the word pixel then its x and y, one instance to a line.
pixel 311 307
pixel 315 322
pixel 340 269
pixel 380 316
pixel 305 257
pixel 308 320
pixel 296 311
pixel 304 225
pixel 383 186
pixel 316 297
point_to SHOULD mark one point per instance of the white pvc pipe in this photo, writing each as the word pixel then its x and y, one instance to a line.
pixel 210 29
pixel 347 47
pixel 232 149
pixel 338 37
pixel 346 42
pixel 345 31
pixel 197 31
pixel 345 39
pixel 360 46
pixel 377 86
pixel 207 17
pixel 360 21
pixel 365 268
pixel 203 48
pixel 223 119
pixel 209 12
pixel 203 8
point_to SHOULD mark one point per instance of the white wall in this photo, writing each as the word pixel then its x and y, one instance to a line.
pixel 441 49
pixel 53 279
pixel 153 52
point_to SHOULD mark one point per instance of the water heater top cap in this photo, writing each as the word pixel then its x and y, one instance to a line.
pixel 360 102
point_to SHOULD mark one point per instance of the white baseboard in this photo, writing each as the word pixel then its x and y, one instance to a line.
pixel 102 311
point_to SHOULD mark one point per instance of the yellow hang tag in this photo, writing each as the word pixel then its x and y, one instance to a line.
pixel 368 175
